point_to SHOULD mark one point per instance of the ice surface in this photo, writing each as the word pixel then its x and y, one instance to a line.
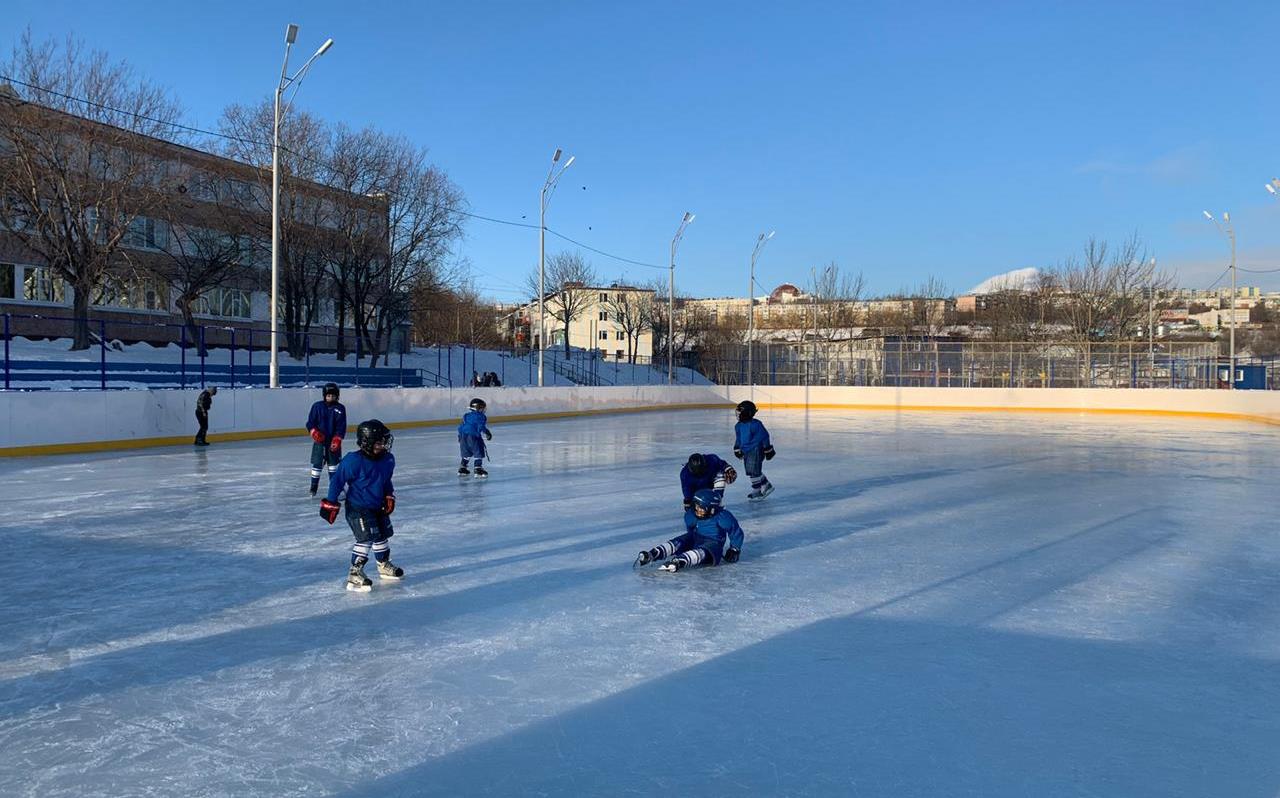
pixel 928 605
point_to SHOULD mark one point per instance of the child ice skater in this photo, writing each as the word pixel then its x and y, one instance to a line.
pixel 709 526
pixel 474 424
pixel 705 471
pixel 751 445
pixel 371 498
pixel 327 423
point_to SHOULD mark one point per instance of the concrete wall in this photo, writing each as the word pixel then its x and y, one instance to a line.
pixel 64 421
pixel 1256 406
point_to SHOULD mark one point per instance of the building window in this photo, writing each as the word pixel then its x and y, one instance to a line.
pixel 229 302
pixel 622 336
pixel 604 297
pixel 123 292
pixel 145 233
pixel 40 286
pixel 604 315
pixel 604 335
pixel 7 271
pixel 617 353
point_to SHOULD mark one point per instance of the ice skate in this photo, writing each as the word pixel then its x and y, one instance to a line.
pixel 642 558
pixel 766 489
pixel 481 473
pixel 463 471
pixel 755 495
pixel 312 491
pixel 389 570
pixel 357 581
pixel 671 566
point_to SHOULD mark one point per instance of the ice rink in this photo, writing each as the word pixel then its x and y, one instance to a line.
pixel 929 605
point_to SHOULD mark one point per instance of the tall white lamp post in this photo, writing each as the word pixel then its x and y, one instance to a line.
pixel 1226 229
pixel 671 296
pixel 761 240
pixel 548 188
pixel 290 36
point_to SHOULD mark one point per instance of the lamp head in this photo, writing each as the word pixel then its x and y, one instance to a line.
pixel 291 34
pixel 1208 215
pixel 555 158
pixel 324 48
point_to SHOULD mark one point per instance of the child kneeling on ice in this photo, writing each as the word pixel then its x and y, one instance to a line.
pixel 710 526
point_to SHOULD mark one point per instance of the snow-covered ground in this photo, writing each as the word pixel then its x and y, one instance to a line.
pixel 448 363
pixel 928 605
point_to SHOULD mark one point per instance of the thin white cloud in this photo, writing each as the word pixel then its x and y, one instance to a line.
pixel 1182 165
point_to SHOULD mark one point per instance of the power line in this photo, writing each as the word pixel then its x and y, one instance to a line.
pixel 1258 271
pixel 309 159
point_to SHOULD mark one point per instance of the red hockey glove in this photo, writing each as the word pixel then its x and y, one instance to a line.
pixel 729 475
pixel 336 443
pixel 317 436
pixel 389 504
pixel 329 510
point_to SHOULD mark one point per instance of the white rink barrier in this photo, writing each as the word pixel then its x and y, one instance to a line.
pixel 34 423
pixel 57 422
pixel 1255 406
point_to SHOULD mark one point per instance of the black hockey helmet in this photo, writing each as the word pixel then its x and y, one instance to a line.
pixel 331 388
pixel 477 404
pixel 746 410
pixel 697 464
pixel 705 503
pixel 373 432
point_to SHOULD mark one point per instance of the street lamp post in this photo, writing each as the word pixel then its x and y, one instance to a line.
pixel 761 240
pixel 1226 229
pixel 671 297
pixel 548 188
pixel 290 36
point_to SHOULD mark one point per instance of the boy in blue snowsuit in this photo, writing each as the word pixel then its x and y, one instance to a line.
pixel 371 498
pixel 709 526
pixel 705 471
pixel 327 424
pixel 474 424
pixel 751 445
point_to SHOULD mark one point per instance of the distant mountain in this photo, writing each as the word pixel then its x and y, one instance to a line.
pixel 1019 279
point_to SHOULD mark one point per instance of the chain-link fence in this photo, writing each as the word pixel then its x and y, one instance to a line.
pixel 933 362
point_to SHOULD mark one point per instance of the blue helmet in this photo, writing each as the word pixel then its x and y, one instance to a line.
pixel 706 500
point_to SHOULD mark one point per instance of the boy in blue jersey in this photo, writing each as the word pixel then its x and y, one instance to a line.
pixel 705 471
pixel 751 445
pixel 474 424
pixel 709 526
pixel 371 498
pixel 327 424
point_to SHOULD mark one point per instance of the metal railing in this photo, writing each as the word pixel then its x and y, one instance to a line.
pixel 128 354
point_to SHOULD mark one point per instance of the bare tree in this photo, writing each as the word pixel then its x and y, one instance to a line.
pixel 76 178
pixel 304 215
pixel 568 280
pixel 632 309
pixel 834 297
pixel 1102 289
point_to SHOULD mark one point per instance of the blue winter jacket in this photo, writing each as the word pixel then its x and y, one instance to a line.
pixel 473 423
pixel 716 528
pixel 750 435
pixel 712 477
pixel 367 479
pixel 330 419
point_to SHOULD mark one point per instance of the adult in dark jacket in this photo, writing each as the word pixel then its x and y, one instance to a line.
pixel 203 403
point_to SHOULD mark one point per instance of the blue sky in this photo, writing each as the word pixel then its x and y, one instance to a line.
pixel 952 139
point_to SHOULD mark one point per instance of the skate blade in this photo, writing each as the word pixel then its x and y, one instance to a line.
pixel 390 578
pixel 670 569
pixel 359 588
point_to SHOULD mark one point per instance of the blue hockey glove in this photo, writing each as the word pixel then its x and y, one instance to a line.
pixel 769 452
pixel 488 436
pixel 737 453
pixel 732 555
